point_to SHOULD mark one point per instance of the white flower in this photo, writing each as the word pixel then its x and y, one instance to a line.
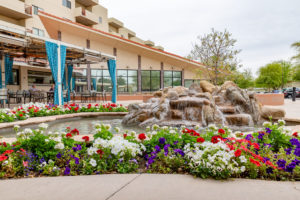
pixel 172 131
pixel 27 131
pixel 281 122
pixel 91 150
pixel 132 133
pixel 5 162
pixel 117 129
pixel 20 134
pixel 243 168
pixel 155 127
pixel 46 140
pixel 197 127
pixel 16 127
pixel 60 146
pixel 148 128
pixel 43 126
pixel 107 126
pixel 93 162
pixel 267 124
pixel 243 159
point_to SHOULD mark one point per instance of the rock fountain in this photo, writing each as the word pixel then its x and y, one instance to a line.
pixel 201 104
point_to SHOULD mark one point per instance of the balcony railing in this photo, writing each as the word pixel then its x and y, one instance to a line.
pixel 88 3
pixel 85 17
pixel 15 9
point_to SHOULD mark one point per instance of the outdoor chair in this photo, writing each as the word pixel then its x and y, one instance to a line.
pixel 73 95
pixel 12 95
pixel 85 96
pixel 4 98
pixel 37 96
pixel 26 95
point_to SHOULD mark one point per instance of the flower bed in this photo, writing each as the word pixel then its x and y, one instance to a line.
pixel 40 110
pixel 272 153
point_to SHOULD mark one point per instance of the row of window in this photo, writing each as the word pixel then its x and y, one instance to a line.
pixel 126 80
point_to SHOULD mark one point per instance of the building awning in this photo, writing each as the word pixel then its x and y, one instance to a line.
pixel 21 44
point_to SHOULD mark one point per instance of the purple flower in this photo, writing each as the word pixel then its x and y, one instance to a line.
pixel 42 160
pixel 268 130
pixel 150 161
pixel 249 137
pixel 157 149
pixel 295 142
pixel 260 136
pixel 58 155
pixel 162 140
pixel 166 149
pixel 176 142
pixel 288 151
pixel 67 171
pixel 268 145
pixel 269 170
pixel 179 151
pixel 290 167
pixel 297 152
pixel 296 161
pixel 76 160
pixel 265 159
pixel 134 161
pixel 281 163
pixel 121 160
pixel 77 148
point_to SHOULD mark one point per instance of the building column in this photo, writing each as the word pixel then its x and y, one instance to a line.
pixel 161 75
pixel 88 77
pixel 182 77
pixel 2 67
pixel 23 78
pixel 139 73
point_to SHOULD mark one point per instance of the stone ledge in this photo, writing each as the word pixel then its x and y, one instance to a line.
pixel 38 120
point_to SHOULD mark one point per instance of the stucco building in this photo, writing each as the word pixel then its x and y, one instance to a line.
pixel 142 66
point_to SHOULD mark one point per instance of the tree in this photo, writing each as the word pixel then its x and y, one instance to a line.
pixel 296 76
pixel 296 45
pixel 275 75
pixel 216 51
pixel 244 79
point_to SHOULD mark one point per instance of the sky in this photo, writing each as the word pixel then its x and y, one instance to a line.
pixel 264 29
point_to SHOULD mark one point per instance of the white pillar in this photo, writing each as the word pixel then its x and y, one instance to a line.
pixel 59 75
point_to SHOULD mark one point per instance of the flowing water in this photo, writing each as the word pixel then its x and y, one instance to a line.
pixel 85 125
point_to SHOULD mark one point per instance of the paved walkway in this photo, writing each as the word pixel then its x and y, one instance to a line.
pixel 144 187
pixel 292 108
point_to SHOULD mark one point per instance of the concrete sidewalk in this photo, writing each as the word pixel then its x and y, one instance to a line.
pixel 145 186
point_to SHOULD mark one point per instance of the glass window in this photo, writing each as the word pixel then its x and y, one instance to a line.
pixel 15 77
pixel 189 82
pixel 150 80
pixel 100 20
pixel 38 32
pixel 127 81
pixel 40 78
pixel 36 9
pixel 103 80
pixel 66 3
pixel 172 78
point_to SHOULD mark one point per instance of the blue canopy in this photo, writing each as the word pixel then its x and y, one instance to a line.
pixel 112 71
pixel 94 80
pixel 52 54
pixel 70 71
pixel 9 62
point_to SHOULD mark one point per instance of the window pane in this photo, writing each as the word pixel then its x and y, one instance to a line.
pixel 167 82
pixel 132 72
pixel 168 74
pixel 107 84
pixel 105 72
pixel 155 73
pixel 177 74
pixel 132 84
pixel 100 20
pixel 188 83
pixel 41 33
pixel 176 82
pixel 155 84
pixel 122 83
pixel 145 83
pixel 69 4
pixel 35 31
pixel 146 73
pixel 122 73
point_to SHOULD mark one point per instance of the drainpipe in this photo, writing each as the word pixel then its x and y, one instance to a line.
pixel 139 74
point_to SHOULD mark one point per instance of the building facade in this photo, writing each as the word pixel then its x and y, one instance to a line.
pixel 141 65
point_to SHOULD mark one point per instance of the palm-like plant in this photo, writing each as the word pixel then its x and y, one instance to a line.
pixel 296 45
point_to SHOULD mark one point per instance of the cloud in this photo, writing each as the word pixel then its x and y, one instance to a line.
pixel 264 29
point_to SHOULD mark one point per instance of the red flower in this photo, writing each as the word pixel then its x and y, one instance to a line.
pixel 255 162
pixel 124 135
pixel 216 139
pixel 96 105
pixel 69 135
pixel 255 145
pixel 238 153
pixel 295 134
pixel 86 138
pixel 231 147
pixel 89 106
pixel 100 152
pixel 221 131
pixel 200 139
pixel 75 131
pixel 8 152
pixel 76 109
pixel 21 115
pixel 142 136
pixel 3 157
pixel 4 144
